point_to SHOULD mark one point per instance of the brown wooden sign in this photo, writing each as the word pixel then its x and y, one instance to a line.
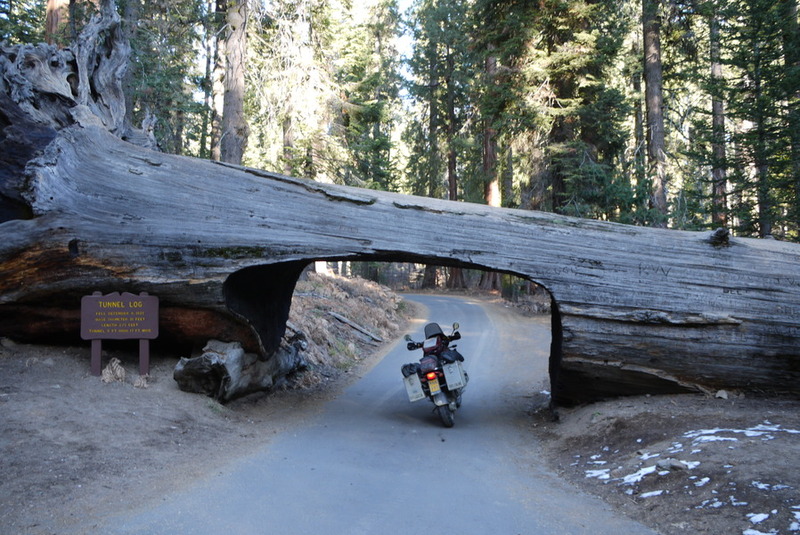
pixel 118 316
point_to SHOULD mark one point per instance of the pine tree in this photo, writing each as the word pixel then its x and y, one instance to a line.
pixel 790 32
pixel 756 60
pixel 370 84
pixel 22 21
pixel 578 107
pixel 163 74
pixel 443 74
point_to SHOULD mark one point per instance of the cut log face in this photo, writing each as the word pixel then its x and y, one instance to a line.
pixel 636 310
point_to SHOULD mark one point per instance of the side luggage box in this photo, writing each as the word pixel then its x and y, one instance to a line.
pixel 455 375
pixel 414 387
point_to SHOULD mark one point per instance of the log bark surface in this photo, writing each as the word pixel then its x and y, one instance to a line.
pixel 635 310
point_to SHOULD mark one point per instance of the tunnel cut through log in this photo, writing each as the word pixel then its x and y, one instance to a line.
pixel 261 296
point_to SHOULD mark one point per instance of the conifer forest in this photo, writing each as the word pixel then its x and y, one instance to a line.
pixel 681 114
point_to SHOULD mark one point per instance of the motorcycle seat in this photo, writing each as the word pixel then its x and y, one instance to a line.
pixel 451 355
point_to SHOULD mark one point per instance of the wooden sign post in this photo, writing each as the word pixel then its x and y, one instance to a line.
pixel 118 317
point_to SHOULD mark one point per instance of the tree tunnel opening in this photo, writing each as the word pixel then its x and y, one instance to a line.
pixel 262 295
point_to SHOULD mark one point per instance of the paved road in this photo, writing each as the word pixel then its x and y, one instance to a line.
pixel 372 463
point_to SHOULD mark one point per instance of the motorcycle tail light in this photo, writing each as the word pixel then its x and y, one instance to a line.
pixel 431 376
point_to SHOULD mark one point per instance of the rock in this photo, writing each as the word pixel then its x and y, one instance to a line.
pixel 671 465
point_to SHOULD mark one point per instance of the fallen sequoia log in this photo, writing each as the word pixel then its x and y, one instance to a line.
pixel 635 310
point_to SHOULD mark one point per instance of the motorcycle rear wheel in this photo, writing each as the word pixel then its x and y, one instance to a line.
pixel 446 414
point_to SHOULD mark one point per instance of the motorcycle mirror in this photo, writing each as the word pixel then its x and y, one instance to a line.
pixel 455 326
pixel 407 338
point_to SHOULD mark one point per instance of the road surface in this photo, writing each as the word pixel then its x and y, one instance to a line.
pixel 370 462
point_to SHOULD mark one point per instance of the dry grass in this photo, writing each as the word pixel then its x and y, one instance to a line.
pixel 332 343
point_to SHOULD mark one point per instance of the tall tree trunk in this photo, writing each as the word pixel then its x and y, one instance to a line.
pixel 490 280
pixel 452 179
pixel 491 184
pixel 455 275
pixel 508 179
pixel 433 129
pixel 761 164
pixel 178 131
pixel 218 84
pixel 719 204
pixel 430 278
pixel 209 46
pixel 234 122
pixel 456 279
pixel 639 158
pixel 56 16
pixel 654 103
pixel 288 142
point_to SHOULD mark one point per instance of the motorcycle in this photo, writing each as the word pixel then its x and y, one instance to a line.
pixel 439 375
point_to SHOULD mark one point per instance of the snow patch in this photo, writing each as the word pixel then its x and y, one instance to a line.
pixel 599 474
pixel 637 476
pixel 714 438
pixel 736 503
pixel 715 503
pixel 764 430
pixel 651 494
pixel 757 518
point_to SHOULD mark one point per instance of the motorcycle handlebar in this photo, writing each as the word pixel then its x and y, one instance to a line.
pixel 416 345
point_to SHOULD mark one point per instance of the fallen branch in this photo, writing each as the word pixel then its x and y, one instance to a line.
pixel 356 326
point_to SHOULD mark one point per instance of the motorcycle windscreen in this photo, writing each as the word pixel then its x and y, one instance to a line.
pixel 414 388
pixel 454 375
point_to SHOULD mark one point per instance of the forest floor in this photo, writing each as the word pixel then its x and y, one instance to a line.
pixel 73 446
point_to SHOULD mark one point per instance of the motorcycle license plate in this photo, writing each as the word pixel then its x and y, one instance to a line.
pixel 433 385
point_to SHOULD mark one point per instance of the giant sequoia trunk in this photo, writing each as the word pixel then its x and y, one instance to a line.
pixel 636 310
